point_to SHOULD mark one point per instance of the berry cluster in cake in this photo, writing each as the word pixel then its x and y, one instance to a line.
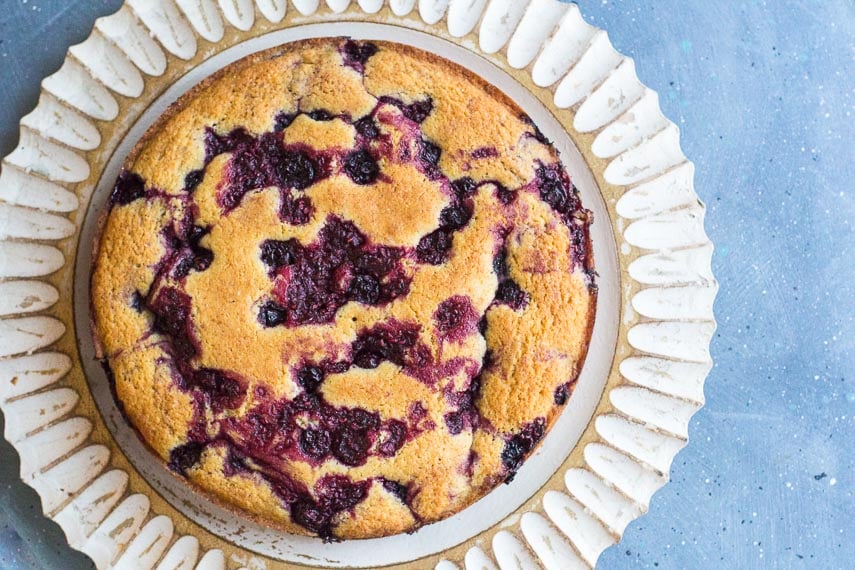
pixel 344 287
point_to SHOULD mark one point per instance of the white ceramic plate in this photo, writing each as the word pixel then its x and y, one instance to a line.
pixel 643 379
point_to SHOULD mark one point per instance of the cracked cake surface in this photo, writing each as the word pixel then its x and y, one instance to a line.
pixel 343 287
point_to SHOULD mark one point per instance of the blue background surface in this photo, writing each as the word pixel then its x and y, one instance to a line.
pixel 764 93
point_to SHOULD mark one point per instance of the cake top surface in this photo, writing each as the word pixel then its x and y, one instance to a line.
pixel 344 287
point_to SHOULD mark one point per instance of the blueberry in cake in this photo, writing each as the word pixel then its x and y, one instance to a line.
pixel 343 288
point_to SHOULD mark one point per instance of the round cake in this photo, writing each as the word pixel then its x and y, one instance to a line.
pixel 344 288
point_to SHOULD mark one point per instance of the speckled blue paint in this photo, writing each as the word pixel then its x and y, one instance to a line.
pixel 764 94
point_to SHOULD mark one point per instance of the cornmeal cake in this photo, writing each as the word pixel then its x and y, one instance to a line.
pixel 343 287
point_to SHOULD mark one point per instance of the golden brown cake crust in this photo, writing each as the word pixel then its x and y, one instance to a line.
pixel 344 287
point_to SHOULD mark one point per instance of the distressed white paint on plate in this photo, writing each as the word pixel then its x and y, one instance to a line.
pixel 27 223
pixel 20 259
pixel 27 374
pixel 61 483
pixel 26 297
pixel 563 49
pixel 402 7
pixel 476 559
pixel 665 267
pixel 338 6
pixel 182 555
pixel 81 517
pixel 681 379
pixel 239 13
pixel 648 446
pixel 123 29
pixel 117 530
pixel 553 549
pixel 37 154
pixel 511 553
pixel 41 449
pixel 584 531
pixel 73 84
pixel 628 476
pixel 24 335
pixel 27 189
pixel 499 22
pixel 148 546
pixel 167 25
pixel 26 415
pixel 592 68
pixel 641 121
pixel 463 15
pixel 212 560
pixel 306 7
pixel 614 96
pixel 432 11
pixel 528 39
pixel 205 18
pixel 109 65
pixel 273 10
pixel 371 6
pixel 63 124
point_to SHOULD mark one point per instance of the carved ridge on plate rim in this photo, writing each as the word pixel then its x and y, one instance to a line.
pixel 511 543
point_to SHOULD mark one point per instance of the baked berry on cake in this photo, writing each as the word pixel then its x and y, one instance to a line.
pixel 343 287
